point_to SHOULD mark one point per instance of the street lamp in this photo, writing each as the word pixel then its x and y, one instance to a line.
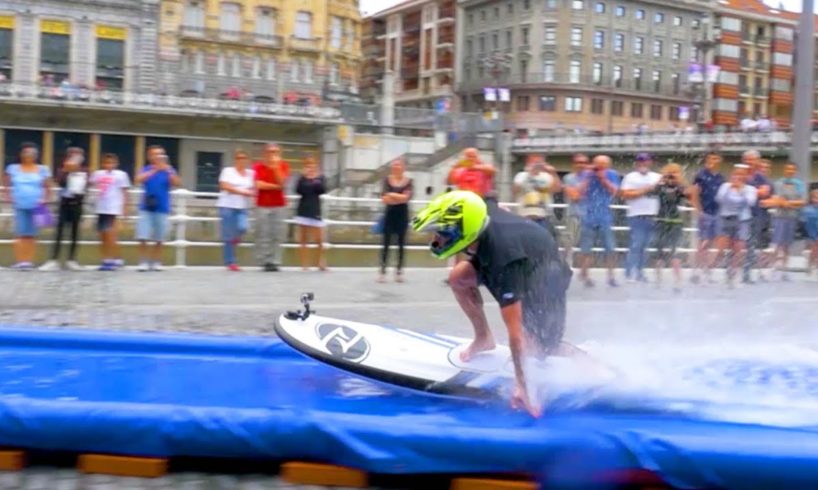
pixel 705 46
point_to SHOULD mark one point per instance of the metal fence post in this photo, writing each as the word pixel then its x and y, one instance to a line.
pixel 181 228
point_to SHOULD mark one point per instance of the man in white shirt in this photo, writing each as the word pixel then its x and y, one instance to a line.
pixel 641 214
pixel 112 186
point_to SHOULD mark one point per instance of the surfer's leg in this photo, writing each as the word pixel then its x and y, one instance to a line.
pixel 464 283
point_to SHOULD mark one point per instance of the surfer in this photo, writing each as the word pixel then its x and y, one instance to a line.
pixel 518 262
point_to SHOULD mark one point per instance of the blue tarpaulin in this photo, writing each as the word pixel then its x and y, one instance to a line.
pixel 185 395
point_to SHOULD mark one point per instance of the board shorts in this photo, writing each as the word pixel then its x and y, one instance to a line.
pixel 589 233
pixel 544 307
pixel 708 227
pixel 105 222
pixel 152 226
pixel 784 230
pixel 734 228
pixel 666 238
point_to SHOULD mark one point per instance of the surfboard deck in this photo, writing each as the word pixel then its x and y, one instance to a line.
pixel 422 361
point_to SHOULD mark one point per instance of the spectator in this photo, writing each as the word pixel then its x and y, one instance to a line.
pixel 748 124
pixel 788 199
pixel 533 189
pixel 760 226
pixel 28 188
pixel 736 199
pixel 311 185
pixel 597 189
pixel 72 180
pixel 271 207
pixel 158 178
pixel 112 186
pixel 575 211
pixel 396 194
pixel 764 125
pixel 236 186
pixel 671 191
pixel 706 186
pixel 642 208
pixel 809 214
pixel 471 174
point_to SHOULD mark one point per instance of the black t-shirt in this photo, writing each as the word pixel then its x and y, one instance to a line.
pixel 510 254
pixel 310 190
pixel 671 197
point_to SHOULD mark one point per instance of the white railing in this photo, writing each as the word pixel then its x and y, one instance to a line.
pixel 634 141
pixel 152 102
pixel 185 201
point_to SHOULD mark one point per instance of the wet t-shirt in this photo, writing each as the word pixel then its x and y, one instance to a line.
pixel 510 255
pixel 670 198
pixel 709 183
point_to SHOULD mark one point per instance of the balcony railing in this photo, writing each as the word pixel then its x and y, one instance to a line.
pixel 744 63
pixel 642 86
pixel 762 39
pixel 303 44
pixel 762 65
pixel 216 35
pixel 744 89
pixel 446 15
pixel 761 91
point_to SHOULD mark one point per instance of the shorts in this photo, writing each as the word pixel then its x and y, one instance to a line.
pixel 544 308
pixel 589 233
pixel 708 227
pixel 310 222
pixel 666 238
pixel 24 223
pixel 734 229
pixel 784 230
pixel 760 236
pixel 151 226
pixel 106 222
pixel 234 223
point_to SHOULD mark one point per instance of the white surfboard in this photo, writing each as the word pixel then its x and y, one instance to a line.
pixel 415 360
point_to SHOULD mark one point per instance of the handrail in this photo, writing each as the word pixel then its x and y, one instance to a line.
pixel 634 140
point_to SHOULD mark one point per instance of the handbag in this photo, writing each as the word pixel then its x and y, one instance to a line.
pixel 43 217
pixel 378 226
pixel 151 203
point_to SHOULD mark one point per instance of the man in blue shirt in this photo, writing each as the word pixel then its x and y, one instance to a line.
pixel 597 189
pixel 157 179
pixel 760 225
pixel 706 184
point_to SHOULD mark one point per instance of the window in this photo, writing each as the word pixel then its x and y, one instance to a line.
pixel 677 21
pixel 599 39
pixel 619 43
pixel 658 18
pixel 550 4
pixel 265 22
pixel 295 71
pixel 307 71
pixel 198 62
pixel 256 70
pixel 526 4
pixel 110 69
pixel 731 24
pixel 271 69
pixel 695 23
pixel 510 8
pixel 524 32
pixel 303 25
pixel 576 36
pixel 523 103
pixel 548 71
pixel 548 103
pixel 743 87
pixel 509 39
pixel 636 110
pixel 574 71
pixel 470 18
pixel 221 65
pixel 657 80
pixel 482 45
pixel 194 15
pixel 676 80
pixel 230 19
pixel 578 4
pixel 599 8
pixel 597 106
pixel 673 113
pixel 637 78
pixel 784 59
pixel 620 11
pixel 334 74
pixel 550 34
pixel 523 71
pixel 656 112
pixel 495 41
pixel 336 32
pixel 677 51
pixel 757 108
pixel 617 107
pixel 496 12
pixel 638 45
pixel 235 66
pixel 597 73
pixel 573 104
pixel 483 15
pixel 469 47
pixel 657 48
pixel 640 14
pixel 616 76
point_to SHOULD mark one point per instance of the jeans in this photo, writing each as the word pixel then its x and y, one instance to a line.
pixel 234 225
pixel 641 230
pixel 387 241
pixel 70 214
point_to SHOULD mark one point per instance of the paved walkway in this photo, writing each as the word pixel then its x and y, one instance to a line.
pixel 215 301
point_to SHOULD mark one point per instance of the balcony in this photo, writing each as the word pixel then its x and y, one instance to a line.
pixel 232 37
pixel 744 90
pixel 762 66
pixel 745 64
pixel 445 38
pixel 312 45
pixel 446 15
pixel 761 92
pixel 641 86
pixel 763 40
pixel 445 64
pixel 747 37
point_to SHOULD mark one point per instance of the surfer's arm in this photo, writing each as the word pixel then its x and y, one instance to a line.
pixel 513 318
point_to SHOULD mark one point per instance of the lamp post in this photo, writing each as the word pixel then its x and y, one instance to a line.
pixel 705 47
pixel 800 153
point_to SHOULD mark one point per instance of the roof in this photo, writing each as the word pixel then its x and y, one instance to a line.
pixel 406 4
pixel 758 7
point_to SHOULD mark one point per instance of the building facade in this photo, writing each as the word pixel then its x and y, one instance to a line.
pixel 294 51
pixel 588 65
pixel 92 44
pixel 415 42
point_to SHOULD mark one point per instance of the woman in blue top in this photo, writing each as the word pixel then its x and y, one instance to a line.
pixel 27 187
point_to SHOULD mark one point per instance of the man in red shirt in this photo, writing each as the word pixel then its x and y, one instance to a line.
pixel 471 174
pixel 271 205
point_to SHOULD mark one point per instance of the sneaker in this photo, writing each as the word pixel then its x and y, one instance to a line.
pixel 694 279
pixel 50 266
pixel 612 283
pixel 118 263
pixel 233 268
pixel 270 268
pixel 157 267
pixel 588 283
pixel 73 265
pixel 143 267
pixel 399 276
pixel 107 267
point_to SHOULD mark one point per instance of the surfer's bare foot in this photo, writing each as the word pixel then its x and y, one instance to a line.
pixel 520 400
pixel 476 347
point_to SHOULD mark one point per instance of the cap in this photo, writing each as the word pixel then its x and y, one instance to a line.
pixel 644 157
